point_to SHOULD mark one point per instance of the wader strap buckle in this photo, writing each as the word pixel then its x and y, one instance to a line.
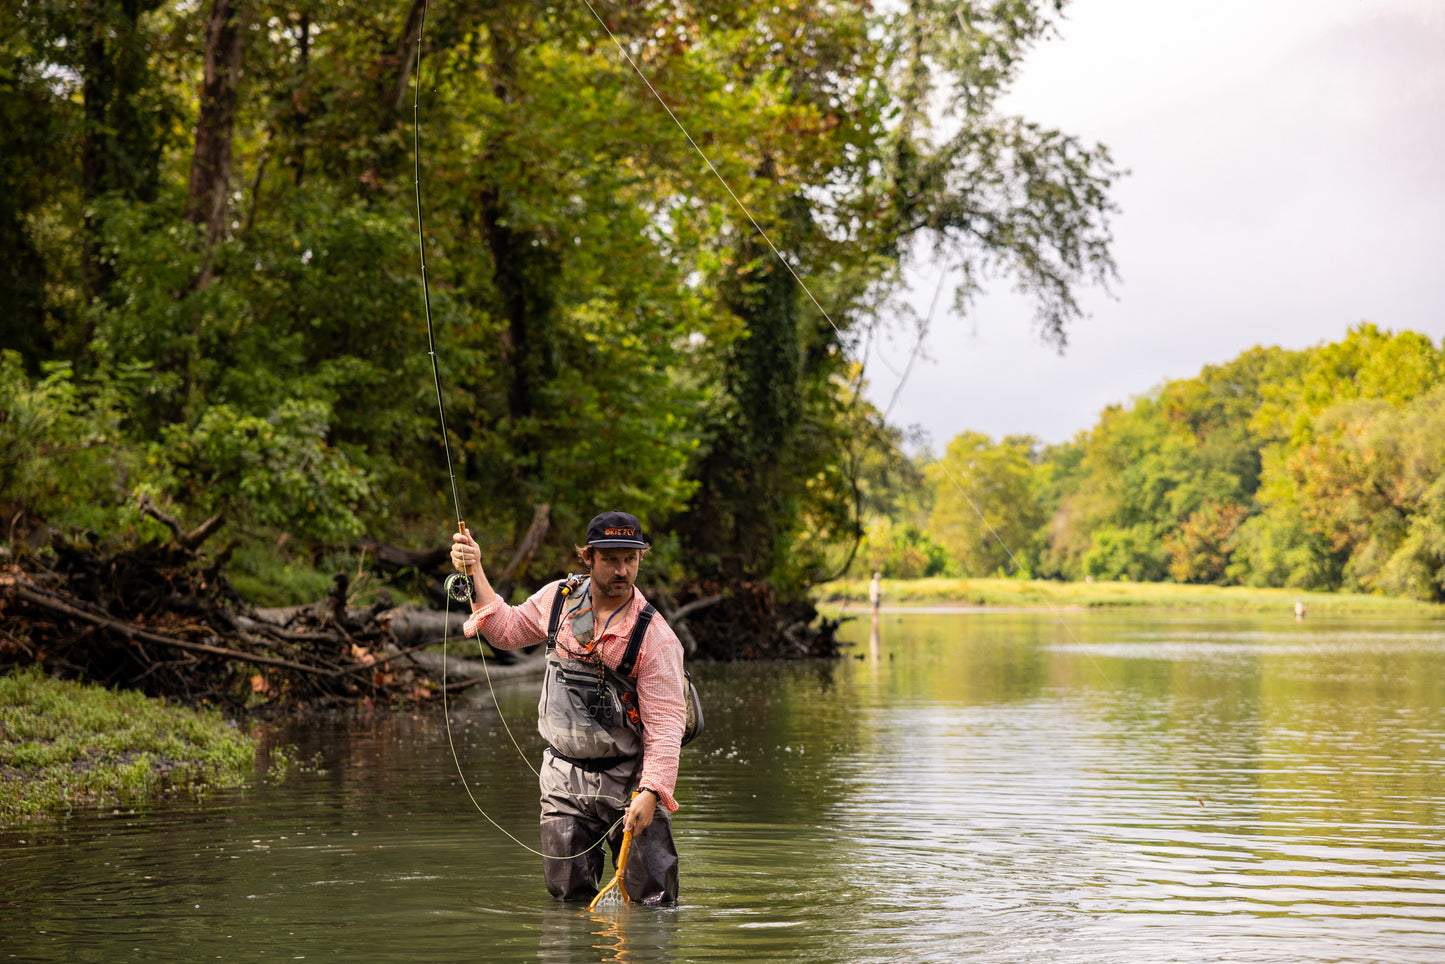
pixel 555 620
pixel 567 587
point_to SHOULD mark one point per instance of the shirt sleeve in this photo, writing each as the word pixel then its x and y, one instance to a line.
pixel 662 701
pixel 512 627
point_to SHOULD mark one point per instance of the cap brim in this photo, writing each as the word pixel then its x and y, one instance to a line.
pixel 618 544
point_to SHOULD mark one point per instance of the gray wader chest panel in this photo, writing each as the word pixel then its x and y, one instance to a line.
pixel 586 712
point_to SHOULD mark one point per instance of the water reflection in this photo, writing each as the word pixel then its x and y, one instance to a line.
pixel 635 935
pixel 959 788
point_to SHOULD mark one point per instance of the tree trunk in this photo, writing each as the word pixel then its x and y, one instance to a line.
pixel 211 162
pixel 525 268
pixel 406 51
pixel 119 150
pixel 536 532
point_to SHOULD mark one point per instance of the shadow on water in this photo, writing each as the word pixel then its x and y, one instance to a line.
pixel 982 787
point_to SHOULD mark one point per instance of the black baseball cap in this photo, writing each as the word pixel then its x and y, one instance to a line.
pixel 615 530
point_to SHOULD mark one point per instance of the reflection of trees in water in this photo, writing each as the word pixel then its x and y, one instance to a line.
pixel 975 658
pixel 370 756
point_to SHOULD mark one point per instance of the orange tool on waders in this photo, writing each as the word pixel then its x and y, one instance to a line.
pixel 616 881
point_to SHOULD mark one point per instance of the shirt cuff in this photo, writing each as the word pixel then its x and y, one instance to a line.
pixel 475 620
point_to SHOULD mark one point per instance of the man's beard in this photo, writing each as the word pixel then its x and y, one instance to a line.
pixel 614 590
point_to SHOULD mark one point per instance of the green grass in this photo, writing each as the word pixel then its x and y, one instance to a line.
pixel 1089 595
pixel 65 745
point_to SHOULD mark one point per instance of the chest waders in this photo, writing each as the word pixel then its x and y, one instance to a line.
pixel 588 715
pixel 587 712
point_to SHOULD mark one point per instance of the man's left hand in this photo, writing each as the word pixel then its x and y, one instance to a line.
pixel 640 811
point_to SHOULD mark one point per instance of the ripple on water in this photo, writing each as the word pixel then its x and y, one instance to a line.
pixel 1183 790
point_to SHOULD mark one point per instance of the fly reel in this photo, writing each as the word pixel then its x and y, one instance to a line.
pixel 459 587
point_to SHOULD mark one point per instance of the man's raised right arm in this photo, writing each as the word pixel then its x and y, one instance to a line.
pixel 505 627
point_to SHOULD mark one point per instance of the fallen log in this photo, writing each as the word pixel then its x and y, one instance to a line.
pixel 393 557
pixel 122 618
pixel 389 669
pixel 410 624
pixel 454 668
pixel 45 600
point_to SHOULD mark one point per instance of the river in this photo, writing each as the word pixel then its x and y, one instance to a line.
pixel 990 787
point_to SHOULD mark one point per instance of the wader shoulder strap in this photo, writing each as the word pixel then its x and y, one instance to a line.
pixel 565 590
pixel 634 642
pixel 555 620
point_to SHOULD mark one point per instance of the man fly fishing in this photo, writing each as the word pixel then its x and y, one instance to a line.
pixel 612 710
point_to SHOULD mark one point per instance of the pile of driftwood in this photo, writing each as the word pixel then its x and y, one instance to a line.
pixel 163 619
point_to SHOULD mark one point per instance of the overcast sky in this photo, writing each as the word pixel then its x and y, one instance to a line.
pixel 1287 181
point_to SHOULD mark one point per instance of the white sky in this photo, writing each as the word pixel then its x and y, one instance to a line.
pixel 1287 181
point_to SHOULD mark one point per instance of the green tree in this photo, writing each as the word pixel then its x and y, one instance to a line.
pixel 1368 363
pixel 32 149
pixel 612 329
pixel 1417 566
pixel 904 551
pixel 1138 476
pixel 1368 484
pixel 1331 512
pixel 1160 489
pixel 870 181
pixel 62 450
pixel 1309 469
pixel 1201 547
pixel 985 512
pixel 890 506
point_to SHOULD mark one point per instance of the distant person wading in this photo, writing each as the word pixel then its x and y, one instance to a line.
pixel 611 729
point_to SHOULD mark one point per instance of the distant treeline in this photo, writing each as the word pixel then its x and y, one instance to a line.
pixel 1314 469
pixel 210 267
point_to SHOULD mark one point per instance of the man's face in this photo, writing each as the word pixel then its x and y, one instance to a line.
pixel 614 571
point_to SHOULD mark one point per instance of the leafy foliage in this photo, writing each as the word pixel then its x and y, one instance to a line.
pixel 1317 469
pixel 611 327
pixel 62 448
pixel 984 510
pixel 904 551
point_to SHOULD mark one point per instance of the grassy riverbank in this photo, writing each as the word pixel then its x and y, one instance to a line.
pixel 65 745
pixel 1093 595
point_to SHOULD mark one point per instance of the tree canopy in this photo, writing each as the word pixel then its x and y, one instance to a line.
pixel 210 291
pixel 1313 469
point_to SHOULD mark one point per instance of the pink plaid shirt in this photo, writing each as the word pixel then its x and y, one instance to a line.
pixel 660 697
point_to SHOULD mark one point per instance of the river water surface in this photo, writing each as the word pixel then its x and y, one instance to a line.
pixel 993 787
